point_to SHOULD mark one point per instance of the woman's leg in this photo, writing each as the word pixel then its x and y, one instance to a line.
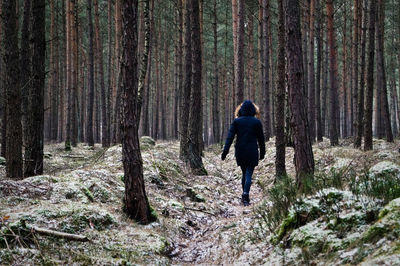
pixel 248 177
pixel 243 176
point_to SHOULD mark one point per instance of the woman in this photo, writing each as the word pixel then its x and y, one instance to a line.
pixel 249 131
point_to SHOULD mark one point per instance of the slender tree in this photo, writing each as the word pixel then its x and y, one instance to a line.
pixel 239 67
pixel 318 71
pixel 370 79
pixel 89 125
pixel 266 72
pixel 11 85
pixel 280 98
pixel 382 73
pixel 195 124
pixel 303 156
pixel 35 116
pixel 333 68
pixel 105 139
pixel 187 86
pixel 311 74
pixel 136 202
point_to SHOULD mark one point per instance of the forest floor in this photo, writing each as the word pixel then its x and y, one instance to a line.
pixel 200 218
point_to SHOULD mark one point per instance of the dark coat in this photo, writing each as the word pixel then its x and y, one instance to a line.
pixel 249 131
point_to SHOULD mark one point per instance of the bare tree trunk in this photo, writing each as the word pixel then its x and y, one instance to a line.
pixel 136 202
pixel 26 69
pixel 333 100
pixel 105 139
pixel 280 169
pixel 358 91
pixel 266 83
pixel 215 103
pixel 382 75
pixel 318 73
pixel 303 155
pixel 89 129
pixel 344 74
pixel 68 74
pixel 239 68
pixel 186 92
pixel 311 74
pixel 35 120
pixel 370 79
pixel 11 85
pixel 195 123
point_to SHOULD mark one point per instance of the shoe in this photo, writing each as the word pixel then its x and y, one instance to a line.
pixel 246 199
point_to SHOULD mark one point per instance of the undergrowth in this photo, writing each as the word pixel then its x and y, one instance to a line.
pixel 274 211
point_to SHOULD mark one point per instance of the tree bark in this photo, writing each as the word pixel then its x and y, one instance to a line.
pixel 90 109
pixel 370 79
pixel 105 139
pixel 266 81
pixel 136 202
pixel 311 74
pixel 280 169
pixel 215 103
pixel 11 85
pixel 35 120
pixel 187 86
pixel 239 67
pixel 334 127
pixel 195 122
pixel 303 156
pixel 382 75
pixel 318 71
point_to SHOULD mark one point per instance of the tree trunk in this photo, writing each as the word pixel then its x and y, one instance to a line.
pixel 195 123
pixel 358 92
pixel 239 67
pixel 117 87
pixel 266 83
pixel 54 57
pixel 334 127
pixel 370 79
pixel 303 156
pixel 35 139
pixel 344 74
pixel 12 88
pixel 280 169
pixel 26 69
pixel 235 32
pixel 145 56
pixel 109 71
pixel 136 202
pixel 318 72
pixel 186 92
pixel 90 109
pixel 68 79
pixel 382 75
pixel 311 74
pixel 215 103
pixel 105 139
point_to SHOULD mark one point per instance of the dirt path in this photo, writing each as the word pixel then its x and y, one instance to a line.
pixel 219 238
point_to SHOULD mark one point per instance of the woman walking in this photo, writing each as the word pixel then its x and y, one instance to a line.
pixel 248 131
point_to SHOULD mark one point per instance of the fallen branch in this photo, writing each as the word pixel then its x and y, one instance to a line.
pixel 59 234
pixel 198 210
pixel 74 156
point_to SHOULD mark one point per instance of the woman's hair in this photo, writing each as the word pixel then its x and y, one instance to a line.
pixel 258 114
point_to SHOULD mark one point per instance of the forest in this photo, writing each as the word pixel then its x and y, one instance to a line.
pixel 117 118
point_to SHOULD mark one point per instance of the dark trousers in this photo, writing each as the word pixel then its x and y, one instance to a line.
pixel 246 178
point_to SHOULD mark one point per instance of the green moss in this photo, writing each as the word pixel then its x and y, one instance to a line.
pixel 288 224
pixel 374 232
pixel 153 214
pixel 88 194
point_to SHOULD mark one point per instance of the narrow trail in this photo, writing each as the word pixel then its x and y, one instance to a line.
pixel 219 238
